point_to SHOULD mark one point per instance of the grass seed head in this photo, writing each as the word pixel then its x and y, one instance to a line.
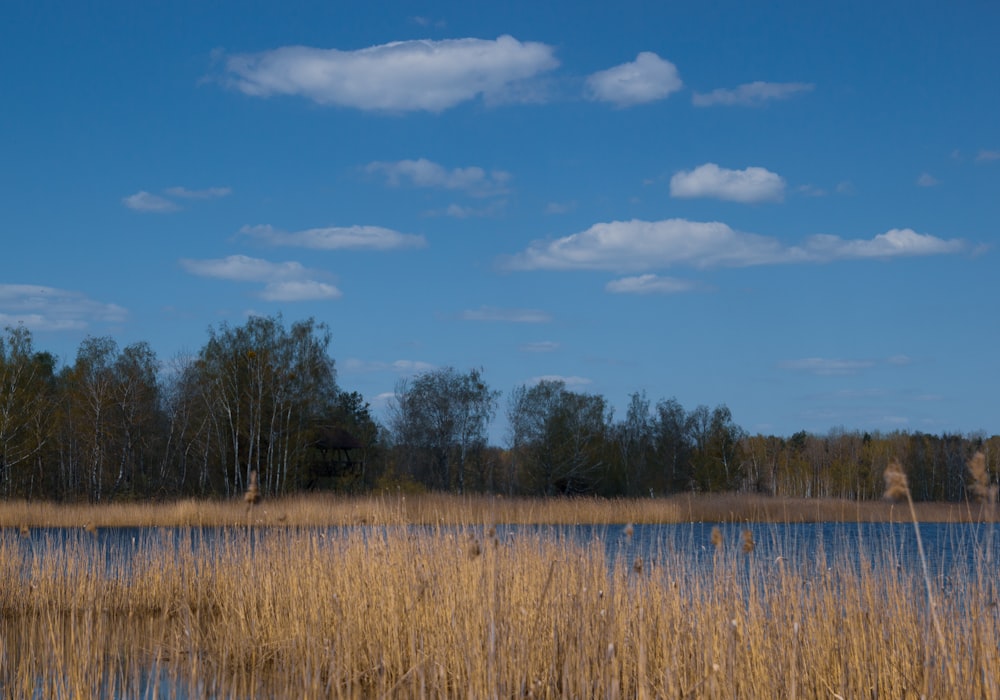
pixel 717 538
pixel 252 496
pixel 748 543
pixel 979 481
pixel 896 484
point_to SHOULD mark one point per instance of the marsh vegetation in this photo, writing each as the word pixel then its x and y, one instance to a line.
pixel 434 597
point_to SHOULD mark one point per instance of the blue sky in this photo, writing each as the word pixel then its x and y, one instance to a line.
pixel 791 210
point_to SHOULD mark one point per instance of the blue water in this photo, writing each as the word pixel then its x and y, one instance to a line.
pixel 951 549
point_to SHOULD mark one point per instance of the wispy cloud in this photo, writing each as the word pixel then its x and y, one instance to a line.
pixel 927 180
pixel 646 79
pixel 987 155
pixel 560 207
pixel 540 346
pixel 336 238
pixel 827 366
pixel 42 308
pixel 571 381
pixel 401 76
pixel 492 313
pixel 285 281
pixel 356 365
pixel 153 203
pixel 750 94
pixel 644 245
pixel 207 193
pixel 747 186
pixel 425 173
pixel 299 290
pixel 146 202
pixel 459 211
pixel 650 284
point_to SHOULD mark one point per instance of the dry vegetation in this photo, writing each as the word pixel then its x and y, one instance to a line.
pixel 455 610
pixel 444 509
pixel 294 612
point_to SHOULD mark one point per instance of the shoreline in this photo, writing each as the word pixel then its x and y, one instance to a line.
pixel 317 510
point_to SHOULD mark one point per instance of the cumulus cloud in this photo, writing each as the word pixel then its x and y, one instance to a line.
pixel 891 244
pixel 42 308
pixel 284 281
pixel 336 238
pixel 401 76
pixel 646 79
pixel 746 186
pixel 492 313
pixel 644 245
pixel 146 202
pixel 649 284
pixel 426 173
pixel 750 94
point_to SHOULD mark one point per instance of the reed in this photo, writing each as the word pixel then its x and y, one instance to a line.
pixel 393 611
pixel 443 509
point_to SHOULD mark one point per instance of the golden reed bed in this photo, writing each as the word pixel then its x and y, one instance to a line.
pixel 298 613
pixel 294 611
pixel 435 509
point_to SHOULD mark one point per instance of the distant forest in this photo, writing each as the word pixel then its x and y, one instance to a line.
pixel 118 424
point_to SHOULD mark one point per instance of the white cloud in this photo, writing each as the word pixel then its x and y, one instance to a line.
pixel 569 381
pixel 644 245
pixel 399 366
pixel 811 191
pixel 337 238
pixel 285 281
pixel 401 76
pixel 646 79
pixel 649 284
pixel 207 193
pixel 560 207
pixel 42 308
pixel 752 94
pixel 458 211
pixel 425 173
pixel 242 268
pixel 540 346
pixel 746 186
pixel 299 290
pixel 891 244
pixel 988 155
pixel 927 180
pixel 826 366
pixel 146 202
pixel 491 313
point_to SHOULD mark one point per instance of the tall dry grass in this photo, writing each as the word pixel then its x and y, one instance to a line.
pixel 458 612
pixel 444 509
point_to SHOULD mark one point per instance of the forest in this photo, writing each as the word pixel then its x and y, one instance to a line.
pixel 119 424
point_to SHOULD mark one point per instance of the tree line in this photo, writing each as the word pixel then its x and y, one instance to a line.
pixel 262 398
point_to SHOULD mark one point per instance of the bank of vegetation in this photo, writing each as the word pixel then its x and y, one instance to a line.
pixel 119 424
pixel 290 612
